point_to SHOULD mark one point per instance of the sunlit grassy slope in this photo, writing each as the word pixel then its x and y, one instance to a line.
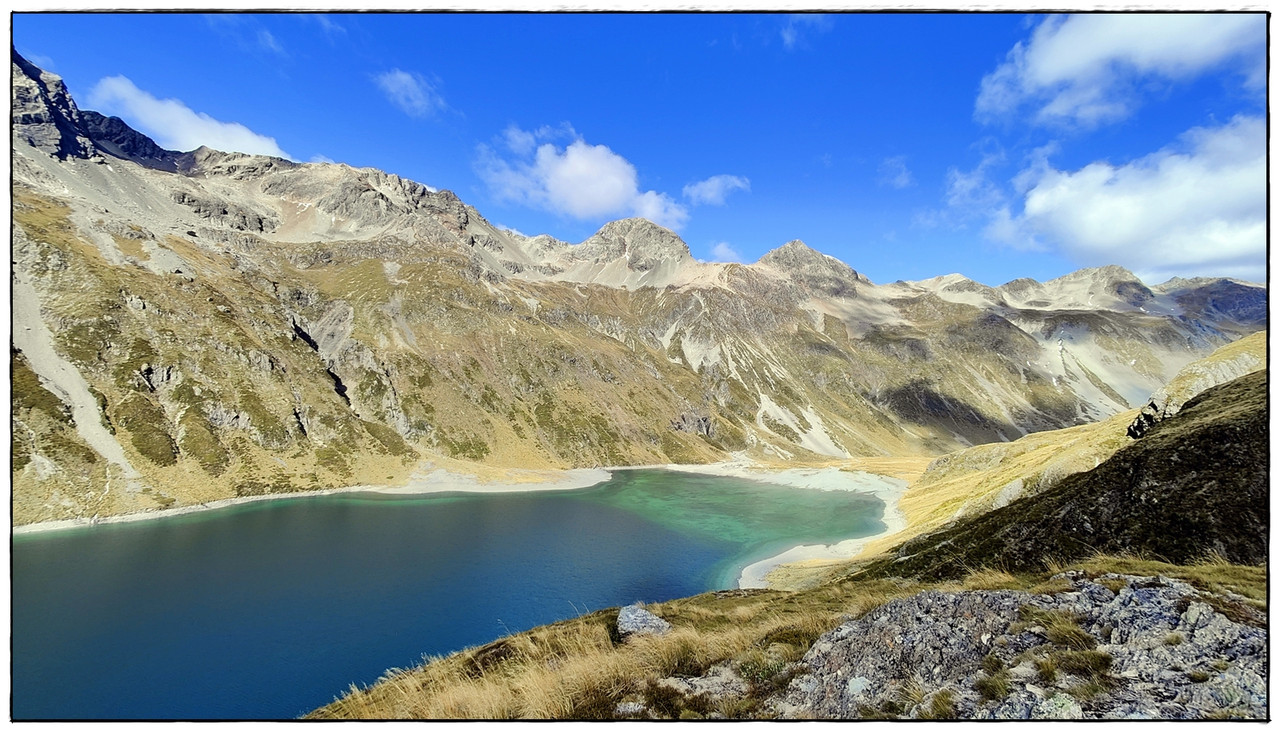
pixel 979 479
pixel 976 480
pixel 1196 484
pixel 579 669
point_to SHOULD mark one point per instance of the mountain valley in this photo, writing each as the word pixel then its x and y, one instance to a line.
pixel 1074 473
pixel 207 325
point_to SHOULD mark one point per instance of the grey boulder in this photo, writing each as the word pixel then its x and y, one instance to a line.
pixel 635 620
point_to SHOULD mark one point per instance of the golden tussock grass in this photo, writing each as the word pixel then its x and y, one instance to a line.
pixel 579 669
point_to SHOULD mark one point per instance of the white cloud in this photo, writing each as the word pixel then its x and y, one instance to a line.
pixel 1195 208
pixel 42 61
pixel 893 172
pixel 722 252
pixel 174 125
pixel 1087 69
pixel 246 32
pixel 974 191
pixel 970 195
pixel 795 30
pixel 411 92
pixel 715 189
pixel 580 180
pixel 330 27
pixel 661 209
pixel 269 42
pixel 519 141
pixel 318 158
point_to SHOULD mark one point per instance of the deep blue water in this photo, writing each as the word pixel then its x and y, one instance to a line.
pixel 268 610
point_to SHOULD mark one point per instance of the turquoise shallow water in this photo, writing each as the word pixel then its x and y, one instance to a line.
pixel 759 519
pixel 270 609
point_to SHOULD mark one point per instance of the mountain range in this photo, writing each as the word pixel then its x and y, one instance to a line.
pixel 191 326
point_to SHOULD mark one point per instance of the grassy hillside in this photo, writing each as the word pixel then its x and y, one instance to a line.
pixel 979 479
pixel 579 668
pixel 1197 485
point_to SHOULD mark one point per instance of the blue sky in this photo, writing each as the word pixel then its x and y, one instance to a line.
pixel 996 145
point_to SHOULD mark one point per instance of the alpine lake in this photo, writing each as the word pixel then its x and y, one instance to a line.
pixel 267 610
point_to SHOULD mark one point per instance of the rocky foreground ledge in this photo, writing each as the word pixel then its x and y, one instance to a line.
pixel 1113 647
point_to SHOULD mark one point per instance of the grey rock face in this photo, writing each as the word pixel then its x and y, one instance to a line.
pixel 44 115
pixel 1146 419
pixel 720 680
pixel 814 271
pixel 635 620
pixel 121 140
pixel 642 242
pixel 694 423
pixel 1159 652
pixel 1222 297
pixel 630 708
pixel 860 666
pixel 226 213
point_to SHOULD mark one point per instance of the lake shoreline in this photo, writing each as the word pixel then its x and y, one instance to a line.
pixel 889 490
pixel 432 480
pixel 428 481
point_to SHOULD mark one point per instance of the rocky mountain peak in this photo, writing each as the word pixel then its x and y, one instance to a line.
pixel 234 165
pixel 1109 275
pixel 818 272
pixel 1240 301
pixel 1020 286
pixel 544 246
pixel 115 136
pixel 1111 280
pixel 794 249
pixel 644 244
pixel 44 114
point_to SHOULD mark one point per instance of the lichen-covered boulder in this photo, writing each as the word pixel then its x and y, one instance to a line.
pixel 635 620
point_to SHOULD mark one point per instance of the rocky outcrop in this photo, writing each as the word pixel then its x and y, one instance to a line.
pixel 226 213
pixel 1111 647
pixel 205 161
pixel 1147 417
pixel 44 114
pixel 694 424
pixel 1094 646
pixel 1240 358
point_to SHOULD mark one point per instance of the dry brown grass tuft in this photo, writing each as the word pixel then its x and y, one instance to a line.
pixel 576 669
pixel 992 579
